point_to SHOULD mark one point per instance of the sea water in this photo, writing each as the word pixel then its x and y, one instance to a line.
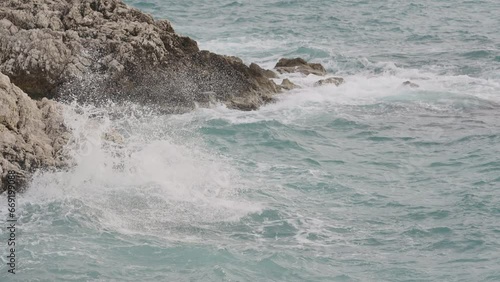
pixel 368 181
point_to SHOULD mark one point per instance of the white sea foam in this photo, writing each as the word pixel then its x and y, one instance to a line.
pixel 150 179
pixel 157 175
pixel 436 92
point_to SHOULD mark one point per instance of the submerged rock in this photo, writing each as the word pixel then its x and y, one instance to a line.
pixel 103 49
pixel 32 134
pixel 288 85
pixel 410 84
pixel 331 80
pixel 299 65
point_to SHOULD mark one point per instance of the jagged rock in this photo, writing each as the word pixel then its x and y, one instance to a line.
pixel 410 84
pixel 265 73
pixel 103 49
pixel 32 134
pixel 288 85
pixel 299 65
pixel 331 80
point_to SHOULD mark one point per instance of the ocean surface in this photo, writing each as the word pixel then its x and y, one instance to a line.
pixel 368 181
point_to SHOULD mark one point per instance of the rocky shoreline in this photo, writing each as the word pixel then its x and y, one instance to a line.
pixel 49 46
pixel 32 134
pixel 100 50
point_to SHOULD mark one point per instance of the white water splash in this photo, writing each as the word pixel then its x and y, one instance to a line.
pixel 141 173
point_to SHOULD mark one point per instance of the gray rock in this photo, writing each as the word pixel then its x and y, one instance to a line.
pixel 32 134
pixel 103 49
pixel 410 84
pixel 331 80
pixel 265 73
pixel 288 85
pixel 299 65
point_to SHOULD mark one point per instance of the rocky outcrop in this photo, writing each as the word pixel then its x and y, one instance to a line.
pixel 264 72
pixel 32 134
pixel 299 65
pixel 288 85
pixel 331 80
pixel 103 49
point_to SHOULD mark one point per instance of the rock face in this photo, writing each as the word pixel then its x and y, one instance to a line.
pixel 331 80
pixel 99 49
pixel 299 65
pixel 32 134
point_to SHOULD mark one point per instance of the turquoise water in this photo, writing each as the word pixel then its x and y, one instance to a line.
pixel 369 181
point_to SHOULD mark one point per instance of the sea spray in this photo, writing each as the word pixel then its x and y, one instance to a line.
pixel 367 181
pixel 150 178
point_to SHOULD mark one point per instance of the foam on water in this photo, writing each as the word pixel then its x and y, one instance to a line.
pixel 151 178
pixel 436 92
pixel 366 181
pixel 300 177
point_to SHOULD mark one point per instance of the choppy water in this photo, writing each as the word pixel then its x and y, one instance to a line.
pixel 370 181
